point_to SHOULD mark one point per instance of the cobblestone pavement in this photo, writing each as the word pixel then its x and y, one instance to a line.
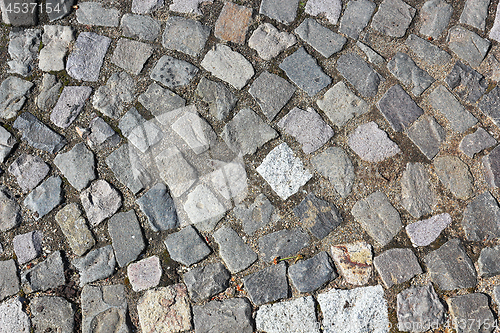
pixel 249 166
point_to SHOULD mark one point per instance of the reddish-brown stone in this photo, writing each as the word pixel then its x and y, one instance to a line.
pixel 233 23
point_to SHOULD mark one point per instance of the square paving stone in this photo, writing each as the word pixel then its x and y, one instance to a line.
pixel 336 165
pixel 490 105
pixel 204 208
pixel 267 285
pixel 228 315
pixel 69 105
pixel 427 135
pixel 10 211
pixel 354 261
pixel 476 142
pixel 56 40
pixel 356 16
pixel 110 99
pixel 468 45
pixel 371 143
pixel 85 62
pixel 455 176
pixel 303 70
pixel 77 166
pixel 424 232
pixel 131 55
pixel 393 17
pixel 271 93
pixel 435 16
pixel 283 11
pixel 269 41
pixel 311 274
pixel 195 131
pixel 12 96
pixel 480 218
pixel 126 236
pixel 22 50
pixel 406 71
pixel 361 75
pixel 100 201
pixel 144 274
pixel 283 243
pixel 418 197
pixel 256 215
pixel 237 255
pixel 96 265
pixel 49 274
pixel 27 246
pixel 307 127
pixel 488 263
pixel 51 313
pixel 186 246
pixel 141 133
pixel 468 84
pixel 474 13
pixel 140 27
pixel 159 100
pixel 473 310
pixel 185 35
pixel 12 316
pixel 233 23
pixel 159 208
pixel 173 72
pixel 101 135
pixel 427 52
pixel 125 165
pixel 399 108
pixel 94 13
pixel 328 8
pixel 21 18
pixel 38 135
pixel 450 267
pixel 319 216
pixel 396 266
pixel 322 39
pixel 45 197
pixel 9 281
pixel 219 98
pixel 206 281
pixel 175 171
pixel 74 227
pixel 29 171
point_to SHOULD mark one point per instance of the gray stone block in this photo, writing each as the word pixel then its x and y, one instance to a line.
pixel 481 218
pixel 361 75
pixel 467 45
pixel 474 13
pixel 396 266
pixel 393 17
pixel 74 227
pixel 69 105
pixel 256 215
pixel 126 236
pixel 48 274
pixel 356 16
pixel 100 135
pixel 424 232
pixel 94 13
pixel 52 314
pixel 10 212
pixel 418 197
pixel 100 201
pixel 228 315
pixel 125 165
pixel 158 100
pixel 185 35
pixel 237 255
pixel 435 16
pixel 12 96
pixel 311 274
pixel 427 52
pixel 13 318
pixel 45 197
pixel 38 135
pixel 468 84
pixel 173 72
pixel 186 246
pixel 455 176
pixel 319 216
pixel 29 171
pixel 406 71
pixel 22 18
pixel 283 11
pixel 334 164
pixel 488 263
pixel 131 55
pixel 140 26
pixel 77 166
pixel 159 208
pixel 111 98
pixel 427 135
pixel 23 49
pixel 371 143
pixel 9 281
pixel 476 142
pixel 206 281
pixel 98 264
pixel 490 105
pixel 85 62
pixel 64 8
pixel 322 39
pixel 399 108
pixel 269 41
pixel 27 246
pixel 283 243
pixel 267 285
pixel 472 309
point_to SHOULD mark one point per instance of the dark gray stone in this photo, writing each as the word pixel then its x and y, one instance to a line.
pixel 219 98
pixel 303 70
pixel 474 311
pixel 322 39
pixel 311 274
pixel 22 18
pixel 45 197
pixel 237 255
pixel 317 215
pixel 49 92
pixel 474 13
pixel 126 237
pixel 186 246
pixel 96 265
pixel 356 17
pixel 100 135
pixel 488 263
pixel 427 135
pixel 111 98
pixel 52 314
pixel 185 35
pixel 158 100
pixel 65 7
pixel 173 72
pixel 450 267
pixel 406 71
pixel 393 17
pixel 396 266
pixel 455 176
pixel 418 197
pixel 476 142
pixel 69 105
pixel 131 55
pixel 427 52
pixel 283 11
pixel 39 135
pixel 94 13
pixel 283 243
pixel 359 74
pixel 267 285
pixel 142 27
pixel 77 166
pixel 490 105
pixel 48 274
pixel 9 281
pixel 27 246
pixel 29 171
pixel 159 208
pixel 100 201
pixel 467 45
pixel 256 215
pixel 468 84
pixel 228 315
pixel 12 91
pixel 481 219
pixel 435 16
pixel 127 168
pixel 399 108
pixel 85 62
pixel 23 49
pixel 336 165
pixel 10 212
pixel 206 281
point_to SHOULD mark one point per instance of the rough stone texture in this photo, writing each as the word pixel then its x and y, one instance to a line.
pixel 455 176
pixel 472 309
pixel 230 180
pixel 427 135
pixel 269 41
pixel 65 7
pixel 204 208
pixel 100 135
pixel 435 15
pixel 9 281
pixel 145 273
pixel 175 171
pixel 52 314
pixel 468 45
pixel 419 309
pixel 173 72
pixel 48 274
pixel 427 52
pixel 366 310
pixel 185 35
pixel 104 307
pixel 491 167
pixel 28 18
pixel 311 274
pixel 56 40
pixel 378 217
pixel 85 62
pixel 284 172
pixel 487 263
pixel 256 215
pixel 126 237
pixel 406 71
pixel 23 50
pixel 10 212
pixel 69 105
pixel 127 168
pixel 495 30
pixel 356 17
pixel 490 103
pixel 267 285
pixel 188 6
pixel 336 165
pixel 206 281
pixel 398 108
pixel 27 246
pixel 443 101
pixel 159 208
pixel 283 11
pixel 159 100
pixel 418 197
pixel 468 84
pixel 424 232
pixel 237 255
pixel 481 218
pixel 476 142
pixel 140 26
pixel 77 166
pixel 340 104
pixel 228 315
pixel 450 267
pixel 111 98
pixel 371 143
pixel 393 17
pixel 294 316
pixel 45 197
pixel 319 216
pixel 322 39
pixel 38 134
pixel 139 132
pixel 186 246
pixel 165 309
pixel 233 23
pixel 94 13
pixel 396 266
pixel 283 243
pixel 7 142
pixel 49 92
pixel 355 70
pixel 271 93
pixel 146 6
pixel 371 54
pixel 12 316
pixel 195 131
pixel 219 98
pixel 12 91
pixel 353 262
pixel 328 8
pixel 474 13
pixel 29 171
pixel 131 55
pixel 303 70
pixel 100 201
pixel 96 265
pixel 73 226
pixel 228 65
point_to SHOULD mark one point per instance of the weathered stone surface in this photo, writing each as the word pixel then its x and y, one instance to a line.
pixel 468 84
pixel 69 105
pixel 9 281
pixel 145 273
pixel 269 41
pixel 468 45
pixel 228 65
pixel 29 171
pixel 159 100
pixel 283 243
pixel 195 131
pixel 141 133
pixel 127 168
pixel 230 180
pixel 495 30
pixel 355 70
pixel 94 13
pixel 472 309
pixel 328 8
pixel 48 274
pixel 419 309
pixel 267 285
pixel 488 263
pixel 38 134
pixel 474 13
pixel 233 23
pixel 336 165
pixel 427 52
pixel 450 267
pixel 366 310
pixel 491 167
pixel 283 11
pixel 354 262
pixel 322 39
pixel 111 98
pixel 271 93
pixel 52 314
pixel 65 7
pixel 356 17
pixel 126 237
pixel 418 197
pixel 45 197
pixel 313 273
pixel 49 92
pixel 219 98
pixel 175 171
pixel 146 6
pixel 481 219
pixel 443 101
pixel 490 103
pixel 378 217
pixel 424 232
pixel 165 309
pixel 56 40
pixel 396 266
pixel 237 255
pixel 203 208
pixel 73 226
pixel 406 71
pixel 77 166
pixel 427 135
pixel 12 316
pixel 303 70
pixel 292 316
pixel 393 17
pixel 435 15
pixel 100 135
pixel 96 265
pixel 317 215
pixel 159 208
pixel 140 26
pixel 206 281
pixel 10 212
pixel 185 35
pixel 22 18
pixel 23 50
pixel 188 6
pixel 398 108
pixel 228 315
pixel 186 246
pixel 371 143
pixel 85 62
pixel 131 55
pixel 476 142
pixel 12 91
pixel 256 215
pixel 27 246
pixel 100 201
pixel 455 176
